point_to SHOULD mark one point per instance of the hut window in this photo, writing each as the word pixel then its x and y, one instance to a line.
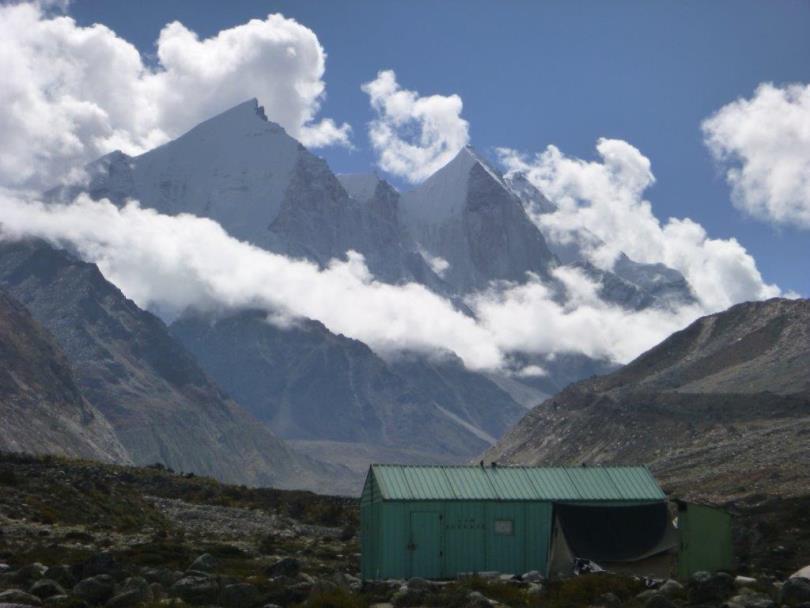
pixel 504 527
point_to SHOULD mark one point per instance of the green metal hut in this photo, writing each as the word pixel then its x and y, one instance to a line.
pixel 443 521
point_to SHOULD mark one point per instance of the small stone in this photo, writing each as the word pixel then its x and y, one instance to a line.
pixel 46 587
pixel 18 596
pixel 744 581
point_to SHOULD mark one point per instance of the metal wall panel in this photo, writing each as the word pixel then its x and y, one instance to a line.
pixel 464 538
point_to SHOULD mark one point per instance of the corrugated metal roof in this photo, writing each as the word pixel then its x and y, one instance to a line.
pixel 428 482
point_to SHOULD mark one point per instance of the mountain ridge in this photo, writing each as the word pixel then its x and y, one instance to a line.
pixel 721 405
pixel 161 405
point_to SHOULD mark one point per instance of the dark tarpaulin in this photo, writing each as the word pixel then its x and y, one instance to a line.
pixel 613 533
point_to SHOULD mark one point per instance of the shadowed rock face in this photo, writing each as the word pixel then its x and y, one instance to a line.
pixel 721 407
pixel 309 384
pixel 161 405
pixel 42 409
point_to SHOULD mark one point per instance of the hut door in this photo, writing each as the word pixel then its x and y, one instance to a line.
pixel 424 544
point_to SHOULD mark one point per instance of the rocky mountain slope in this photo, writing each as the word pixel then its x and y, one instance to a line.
pixel 722 406
pixel 341 400
pixel 41 406
pixel 161 405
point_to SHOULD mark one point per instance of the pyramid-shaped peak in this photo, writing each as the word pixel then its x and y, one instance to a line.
pixel 246 118
pixel 459 168
pixel 444 194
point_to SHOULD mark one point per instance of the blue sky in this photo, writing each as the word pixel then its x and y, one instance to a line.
pixel 532 74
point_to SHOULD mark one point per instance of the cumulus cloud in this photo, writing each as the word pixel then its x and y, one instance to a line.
pixel 173 263
pixel 413 135
pixel 601 210
pixel 71 93
pixel 764 145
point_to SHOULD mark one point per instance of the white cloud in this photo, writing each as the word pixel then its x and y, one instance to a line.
pixel 602 209
pixel 177 262
pixel 764 144
pixel 528 318
pixel 71 93
pixel 413 136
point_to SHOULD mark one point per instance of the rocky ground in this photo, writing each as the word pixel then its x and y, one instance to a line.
pixel 76 534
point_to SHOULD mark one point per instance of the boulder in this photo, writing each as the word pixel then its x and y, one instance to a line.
pixel 129 598
pixel 62 575
pixel 609 600
pixel 671 588
pixel 158 592
pixel 418 584
pixel 28 574
pixel 795 591
pixel 162 576
pixel 204 563
pixel 18 596
pixel 196 589
pixel 240 595
pixel 65 601
pixel 751 600
pixel 801 573
pixel 533 576
pixel 100 563
pixel 289 566
pixel 46 587
pixel 476 599
pixel 95 589
pixel 347 581
pixel 710 587
pixel 407 597
pixel 658 600
pixel 135 591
